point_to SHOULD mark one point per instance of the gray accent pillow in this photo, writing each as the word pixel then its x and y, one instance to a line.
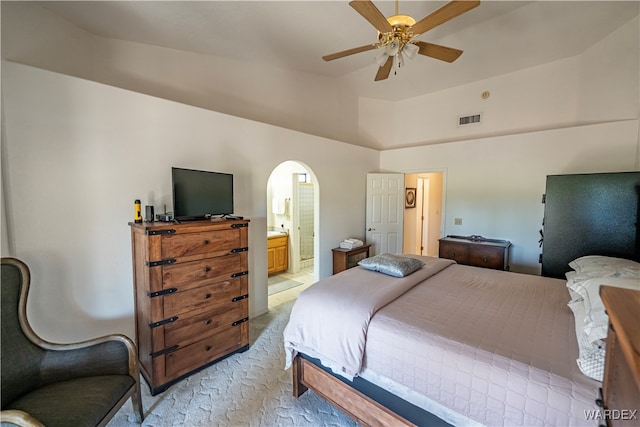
pixel 393 265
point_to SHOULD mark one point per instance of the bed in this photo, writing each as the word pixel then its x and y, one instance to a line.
pixel 461 345
pixel 447 345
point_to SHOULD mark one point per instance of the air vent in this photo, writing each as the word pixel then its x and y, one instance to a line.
pixel 469 120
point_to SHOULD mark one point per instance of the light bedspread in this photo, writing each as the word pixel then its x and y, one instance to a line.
pixel 498 348
pixel 330 319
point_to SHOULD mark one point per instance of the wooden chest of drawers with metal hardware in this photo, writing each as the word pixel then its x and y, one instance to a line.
pixel 621 382
pixel 191 296
pixel 476 251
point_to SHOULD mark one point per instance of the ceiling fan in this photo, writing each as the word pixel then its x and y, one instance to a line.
pixel 396 35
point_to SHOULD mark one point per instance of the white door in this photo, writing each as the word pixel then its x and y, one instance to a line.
pixel 385 211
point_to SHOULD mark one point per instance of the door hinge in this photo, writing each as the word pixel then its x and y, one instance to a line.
pixel 241 297
pixel 161 262
pixel 237 322
pixel 159 232
pixel 162 292
pixel 163 322
pixel 165 351
pixel 241 273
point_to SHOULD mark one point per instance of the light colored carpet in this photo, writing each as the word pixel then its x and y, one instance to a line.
pixel 246 389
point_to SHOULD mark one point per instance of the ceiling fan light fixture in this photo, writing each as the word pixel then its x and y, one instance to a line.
pixel 411 50
pixel 382 58
pixel 392 48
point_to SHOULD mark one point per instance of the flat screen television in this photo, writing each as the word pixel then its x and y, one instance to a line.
pixel 201 194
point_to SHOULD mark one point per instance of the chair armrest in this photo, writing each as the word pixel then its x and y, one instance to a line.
pixel 109 355
pixel 19 418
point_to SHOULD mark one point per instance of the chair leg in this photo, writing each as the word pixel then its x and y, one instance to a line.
pixel 136 402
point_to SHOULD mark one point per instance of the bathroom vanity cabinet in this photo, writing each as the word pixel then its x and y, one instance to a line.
pixel 277 253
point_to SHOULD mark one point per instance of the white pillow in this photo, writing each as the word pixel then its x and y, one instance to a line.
pixel 591 354
pixel 601 266
pixel 573 283
pixel 596 320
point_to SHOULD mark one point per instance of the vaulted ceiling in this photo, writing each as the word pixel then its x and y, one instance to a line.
pixel 497 37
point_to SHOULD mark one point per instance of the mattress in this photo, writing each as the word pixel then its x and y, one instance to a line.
pixel 492 347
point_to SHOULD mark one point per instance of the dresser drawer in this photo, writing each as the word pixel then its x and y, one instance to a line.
pixel 476 251
pixel 190 329
pixel 193 274
pixel 183 361
pixel 204 298
pixel 208 243
pixel 458 252
pixel 487 257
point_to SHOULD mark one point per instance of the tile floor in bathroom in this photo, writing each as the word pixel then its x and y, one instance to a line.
pixel 304 276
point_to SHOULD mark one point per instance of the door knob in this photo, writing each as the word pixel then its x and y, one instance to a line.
pixel 371 229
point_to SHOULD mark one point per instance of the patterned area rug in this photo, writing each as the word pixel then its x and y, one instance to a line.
pixel 246 389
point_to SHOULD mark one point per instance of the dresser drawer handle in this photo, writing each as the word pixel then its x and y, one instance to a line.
pixel 207 322
pixel 207 269
pixel 485 259
pixel 207 348
pixel 207 296
pixel 206 242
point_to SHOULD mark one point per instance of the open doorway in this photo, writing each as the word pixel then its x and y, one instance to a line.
pixel 292 215
pixel 423 223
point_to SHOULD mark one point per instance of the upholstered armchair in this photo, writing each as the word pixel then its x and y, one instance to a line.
pixel 79 384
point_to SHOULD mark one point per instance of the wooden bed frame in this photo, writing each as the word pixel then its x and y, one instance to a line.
pixel 362 408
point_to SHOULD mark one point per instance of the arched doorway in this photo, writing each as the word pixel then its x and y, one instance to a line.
pixel 292 218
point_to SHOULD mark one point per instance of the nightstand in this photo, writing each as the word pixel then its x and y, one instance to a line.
pixel 344 259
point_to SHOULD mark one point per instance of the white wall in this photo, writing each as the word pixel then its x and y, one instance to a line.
pixel 609 77
pixel 77 155
pixel 496 184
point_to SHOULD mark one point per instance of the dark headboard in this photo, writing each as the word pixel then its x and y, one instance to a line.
pixel 590 214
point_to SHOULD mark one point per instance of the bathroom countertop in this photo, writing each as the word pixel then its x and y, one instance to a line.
pixel 274 234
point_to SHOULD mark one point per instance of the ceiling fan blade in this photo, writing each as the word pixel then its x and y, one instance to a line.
pixel 348 52
pixel 442 15
pixel 436 51
pixel 383 72
pixel 371 13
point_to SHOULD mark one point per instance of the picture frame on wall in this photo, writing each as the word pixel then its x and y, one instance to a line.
pixel 410 198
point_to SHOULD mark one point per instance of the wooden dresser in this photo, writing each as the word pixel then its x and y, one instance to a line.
pixel 621 383
pixel 191 296
pixel 476 251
